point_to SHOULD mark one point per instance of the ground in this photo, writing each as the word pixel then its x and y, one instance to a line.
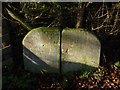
pixel 102 77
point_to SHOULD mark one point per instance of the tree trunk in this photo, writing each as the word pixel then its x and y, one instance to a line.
pixel 80 11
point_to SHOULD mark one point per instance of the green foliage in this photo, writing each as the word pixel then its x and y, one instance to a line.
pixel 117 63
pixel 98 74
pixel 84 74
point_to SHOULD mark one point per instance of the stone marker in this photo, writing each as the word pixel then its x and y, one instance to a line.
pixel 41 50
pixel 80 50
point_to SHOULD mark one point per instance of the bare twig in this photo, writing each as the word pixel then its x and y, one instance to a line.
pixel 8 19
pixel 87 4
pixel 98 11
pixel 98 27
pixel 103 8
pixel 51 23
pixel 115 21
pixel 102 16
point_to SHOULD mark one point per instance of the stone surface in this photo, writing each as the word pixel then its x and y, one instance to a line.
pixel 80 50
pixel 41 50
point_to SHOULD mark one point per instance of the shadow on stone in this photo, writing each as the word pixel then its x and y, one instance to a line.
pixel 36 64
pixel 74 67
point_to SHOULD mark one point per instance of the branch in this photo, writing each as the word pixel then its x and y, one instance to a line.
pixel 98 27
pixel 115 23
pixel 102 15
pixel 16 17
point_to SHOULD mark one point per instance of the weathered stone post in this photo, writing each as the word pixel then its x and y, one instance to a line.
pixel 77 49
